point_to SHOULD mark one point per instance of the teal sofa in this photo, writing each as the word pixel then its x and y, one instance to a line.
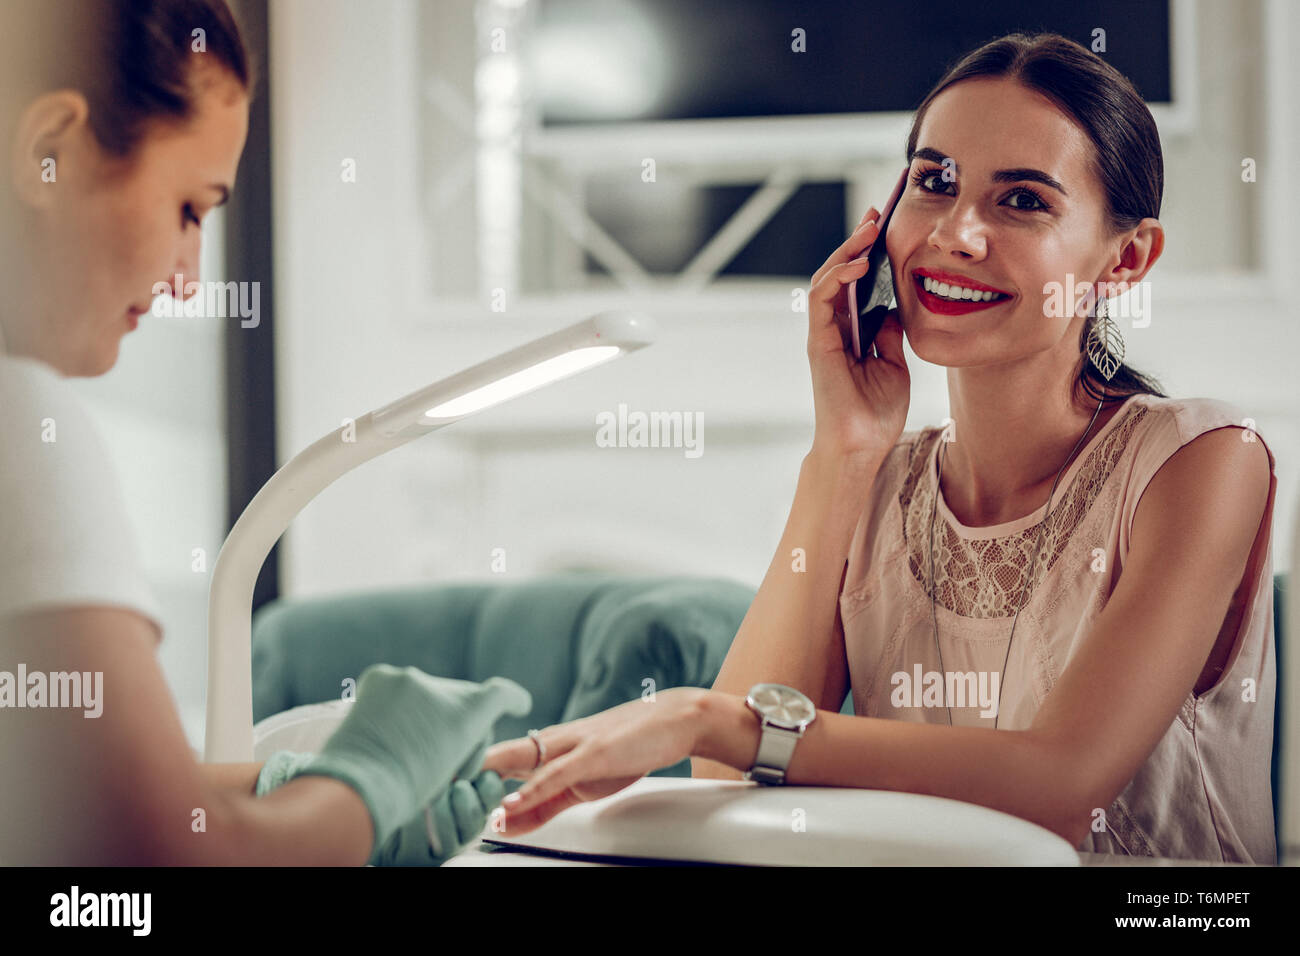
pixel 580 642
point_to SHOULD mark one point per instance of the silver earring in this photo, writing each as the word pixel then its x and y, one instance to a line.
pixel 1105 343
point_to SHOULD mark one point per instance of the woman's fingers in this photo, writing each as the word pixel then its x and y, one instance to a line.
pixel 830 279
pixel 557 776
pixel 517 759
pixel 827 331
pixel 517 824
pixel 861 238
pixel 511 758
pixel 825 290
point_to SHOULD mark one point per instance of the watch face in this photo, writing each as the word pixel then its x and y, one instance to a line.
pixel 782 705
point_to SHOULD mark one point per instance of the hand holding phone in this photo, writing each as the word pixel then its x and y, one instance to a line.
pixel 860 407
pixel 869 296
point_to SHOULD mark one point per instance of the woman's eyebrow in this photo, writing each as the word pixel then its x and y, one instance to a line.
pixel 1000 176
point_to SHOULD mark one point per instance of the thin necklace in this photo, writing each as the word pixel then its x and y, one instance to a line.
pixel 1033 560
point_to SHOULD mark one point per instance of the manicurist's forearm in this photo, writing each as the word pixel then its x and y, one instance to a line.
pixel 309 821
pixel 1015 771
pixel 786 635
pixel 235 777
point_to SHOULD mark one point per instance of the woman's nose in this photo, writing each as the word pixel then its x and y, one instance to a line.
pixel 960 231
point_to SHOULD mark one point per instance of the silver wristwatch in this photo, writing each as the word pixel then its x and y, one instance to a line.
pixel 783 715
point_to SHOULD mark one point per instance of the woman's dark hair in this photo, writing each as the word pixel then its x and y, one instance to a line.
pixel 133 60
pixel 1126 155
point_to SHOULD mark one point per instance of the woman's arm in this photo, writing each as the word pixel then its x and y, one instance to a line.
pixel 792 633
pixel 235 777
pixel 123 788
pixel 1192 535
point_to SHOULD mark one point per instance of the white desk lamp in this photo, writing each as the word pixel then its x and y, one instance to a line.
pixel 229 731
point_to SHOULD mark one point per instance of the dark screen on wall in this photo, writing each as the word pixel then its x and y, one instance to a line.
pixel 714 59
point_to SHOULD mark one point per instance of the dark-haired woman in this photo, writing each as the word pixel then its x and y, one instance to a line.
pixel 123 124
pixel 1060 606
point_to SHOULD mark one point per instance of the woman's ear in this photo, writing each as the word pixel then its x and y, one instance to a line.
pixel 44 133
pixel 1140 248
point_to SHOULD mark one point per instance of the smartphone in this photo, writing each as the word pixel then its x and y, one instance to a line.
pixel 869 297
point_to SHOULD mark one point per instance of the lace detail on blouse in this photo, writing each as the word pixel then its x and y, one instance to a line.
pixel 983 578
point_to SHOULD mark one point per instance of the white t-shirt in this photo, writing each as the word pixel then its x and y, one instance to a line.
pixel 66 538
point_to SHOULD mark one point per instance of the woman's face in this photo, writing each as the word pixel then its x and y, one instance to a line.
pixel 119 228
pixel 985 225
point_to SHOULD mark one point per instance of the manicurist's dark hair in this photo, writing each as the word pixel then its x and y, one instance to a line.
pixel 133 60
pixel 1126 154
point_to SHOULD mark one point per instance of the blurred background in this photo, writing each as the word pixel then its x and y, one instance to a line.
pixel 428 184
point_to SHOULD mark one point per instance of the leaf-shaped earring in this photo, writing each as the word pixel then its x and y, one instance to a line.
pixel 1105 343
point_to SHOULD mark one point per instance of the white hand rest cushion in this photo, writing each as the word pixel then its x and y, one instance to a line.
pixel 731 821
pixel 304 729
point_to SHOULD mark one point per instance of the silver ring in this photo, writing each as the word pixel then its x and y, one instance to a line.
pixel 536 737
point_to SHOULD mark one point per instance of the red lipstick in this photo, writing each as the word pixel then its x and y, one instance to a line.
pixel 942 306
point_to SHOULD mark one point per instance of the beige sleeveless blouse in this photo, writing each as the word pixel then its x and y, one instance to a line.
pixel 1204 793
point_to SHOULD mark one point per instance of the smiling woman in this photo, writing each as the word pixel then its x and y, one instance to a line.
pixel 1098 121
pixel 1104 574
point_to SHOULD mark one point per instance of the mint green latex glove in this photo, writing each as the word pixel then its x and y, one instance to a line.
pixel 454 819
pixel 431 837
pixel 407 736
pixel 280 768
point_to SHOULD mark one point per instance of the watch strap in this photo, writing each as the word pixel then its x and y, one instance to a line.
pixel 775 750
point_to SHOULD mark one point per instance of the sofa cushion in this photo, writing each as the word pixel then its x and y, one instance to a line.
pixel 580 642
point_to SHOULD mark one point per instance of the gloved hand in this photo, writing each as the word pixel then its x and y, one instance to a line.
pixel 453 820
pixel 432 836
pixel 446 826
pixel 407 736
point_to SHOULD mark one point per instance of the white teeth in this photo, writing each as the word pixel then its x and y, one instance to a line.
pixel 957 293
